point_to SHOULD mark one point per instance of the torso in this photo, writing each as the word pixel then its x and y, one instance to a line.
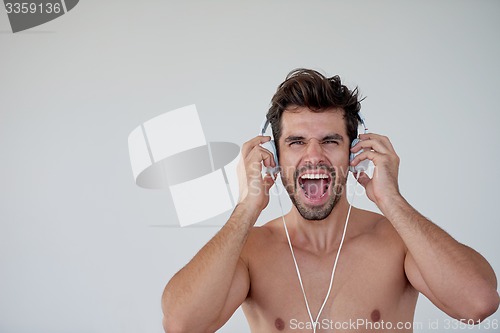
pixel 370 291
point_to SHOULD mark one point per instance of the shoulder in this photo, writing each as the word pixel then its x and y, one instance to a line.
pixel 371 222
pixel 262 238
pixel 375 227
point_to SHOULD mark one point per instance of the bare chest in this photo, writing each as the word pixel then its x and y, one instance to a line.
pixel 369 288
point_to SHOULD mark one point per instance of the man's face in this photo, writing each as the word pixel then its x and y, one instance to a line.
pixel 314 157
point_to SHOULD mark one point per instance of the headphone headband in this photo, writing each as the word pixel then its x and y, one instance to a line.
pixel 264 125
pixel 362 121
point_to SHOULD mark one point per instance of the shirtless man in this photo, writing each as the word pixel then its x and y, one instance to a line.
pixel 385 261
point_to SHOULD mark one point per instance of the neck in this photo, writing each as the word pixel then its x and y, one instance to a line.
pixel 318 237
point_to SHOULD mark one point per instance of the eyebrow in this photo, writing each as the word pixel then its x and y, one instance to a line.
pixel 334 136
pixel 294 138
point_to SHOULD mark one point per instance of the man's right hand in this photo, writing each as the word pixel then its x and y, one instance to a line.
pixel 254 189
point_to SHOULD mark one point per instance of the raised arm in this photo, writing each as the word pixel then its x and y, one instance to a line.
pixel 204 294
pixel 453 276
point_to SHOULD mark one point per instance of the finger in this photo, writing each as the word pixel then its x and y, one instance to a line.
pixel 268 183
pixel 367 154
pixel 258 157
pixel 381 138
pixel 363 179
pixel 247 147
pixel 263 155
pixel 371 144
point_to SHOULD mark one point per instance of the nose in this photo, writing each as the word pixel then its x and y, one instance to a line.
pixel 314 153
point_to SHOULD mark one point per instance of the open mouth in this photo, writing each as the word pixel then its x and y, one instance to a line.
pixel 314 185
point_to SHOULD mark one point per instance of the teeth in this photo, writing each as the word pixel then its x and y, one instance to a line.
pixel 314 176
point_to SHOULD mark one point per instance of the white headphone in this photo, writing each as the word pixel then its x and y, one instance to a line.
pixel 271 146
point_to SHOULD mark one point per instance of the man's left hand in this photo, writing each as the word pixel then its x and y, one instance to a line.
pixel 383 185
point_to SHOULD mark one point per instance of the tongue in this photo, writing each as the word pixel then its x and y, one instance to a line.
pixel 315 187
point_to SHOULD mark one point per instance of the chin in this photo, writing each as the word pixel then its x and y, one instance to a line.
pixel 316 212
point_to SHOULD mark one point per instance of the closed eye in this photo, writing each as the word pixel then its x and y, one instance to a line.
pixel 298 140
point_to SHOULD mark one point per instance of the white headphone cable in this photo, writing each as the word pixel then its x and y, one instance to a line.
pixel 315 322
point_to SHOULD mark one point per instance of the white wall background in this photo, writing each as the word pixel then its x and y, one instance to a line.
pixel 83 249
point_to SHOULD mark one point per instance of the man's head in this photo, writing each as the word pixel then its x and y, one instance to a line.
pixel 314 120
pixel 309 88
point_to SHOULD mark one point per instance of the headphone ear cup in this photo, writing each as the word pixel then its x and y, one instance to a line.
pixel 275 154
pixel 363 165
pixel 353 155
pixel 272 148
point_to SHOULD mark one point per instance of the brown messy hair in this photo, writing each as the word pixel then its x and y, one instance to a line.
pixel 309 88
